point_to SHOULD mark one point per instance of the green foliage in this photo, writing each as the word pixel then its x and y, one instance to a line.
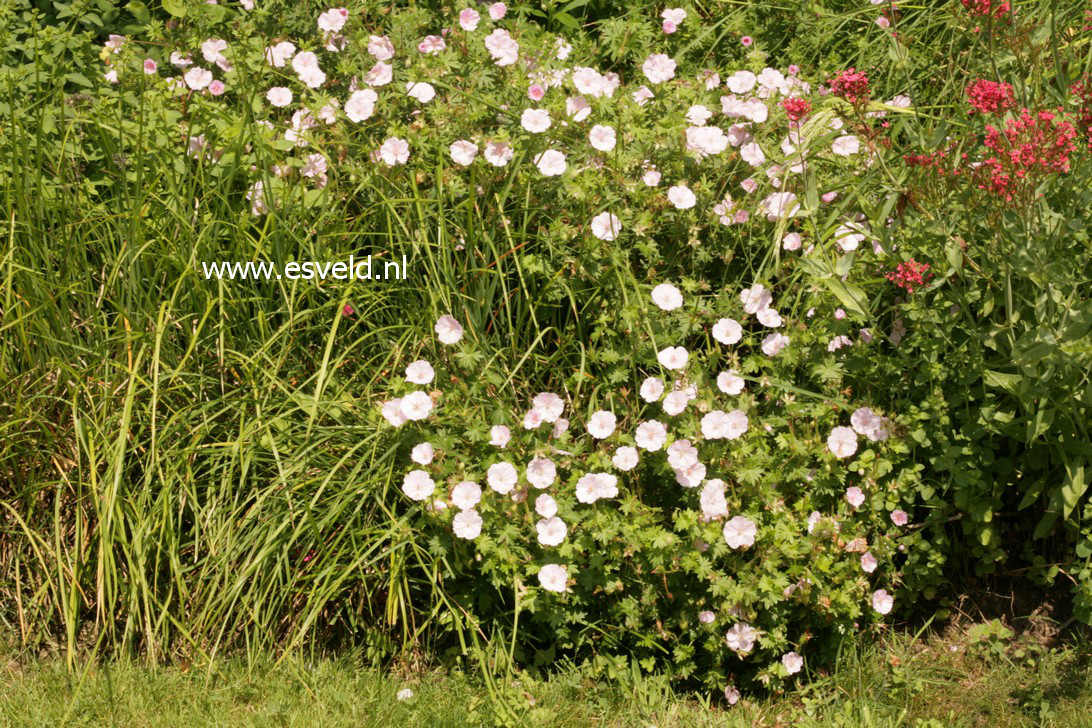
pixel 189 466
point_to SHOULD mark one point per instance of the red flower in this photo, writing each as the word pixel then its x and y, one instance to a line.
pixel 1024 151
pixel 796 108
pixel 985 8
pixel 851 85
pixel 989 97
pixel 910 275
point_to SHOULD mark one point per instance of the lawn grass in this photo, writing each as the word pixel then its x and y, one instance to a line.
pixel 970 677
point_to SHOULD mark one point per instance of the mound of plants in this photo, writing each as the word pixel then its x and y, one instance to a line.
pixel 720 347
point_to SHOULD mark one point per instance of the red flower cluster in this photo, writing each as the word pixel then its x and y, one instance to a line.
pixel 796 108
pixel 851 85
pixel 989 97
pixel 1026 149
pixel 910 275
pixel 985 8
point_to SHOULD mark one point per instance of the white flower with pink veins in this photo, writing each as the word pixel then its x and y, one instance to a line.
pixel 769 317
pixel 361 105
pixel 755 298
pixel 673 357
pixel 551 531
pixel 752 154
pixel 466 495
pixel 718 425
pixel 448 330
pixel 606 226
pixel 682 454
pixel 681 197
pixel 602 138
pixel 333 20
pixel 502 477
pixel 741 638
pixel 546 506
pixel 468 19
pixel 739 533
pixel 842 442
pixel 380 47
pixel 467 524
pixel 394 151
pixel 550 404
pixel 535 121
pixel 882 602
pixel 463 152
pixel 706 140
pixel 421 91
pixel 659 68
pixel 420 372
pixel 625 458
pixel 868 562
pixel 498 153
pixel 197 78
pixel 417 485
pixel 416 406
pixel 422 453
pixel 593 486
pixel 392 412
pixel 667 297
pixel 727 331
pixel 279 96
pixel 551 163
pixel 690 477
pixel 846 146
pixel 499 436
pixel 741 82
pixel 651 389
pixel 774 344
pixel 541 472
pixel 730 383
pixel 793 662
pixel 601 424
pixel 650 435
pixel 675 402
pixel 553 577
pixel 713 502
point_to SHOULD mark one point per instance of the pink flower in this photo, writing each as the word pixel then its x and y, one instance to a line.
pixel 842 442
pixel 667 297
pixel 868 562
pixel 536 92
pixel 431 45
pixel 739 533
pixel 279 96
pixel 899 517
pixel 197 78
pixel 746 41
pixel 659 68
pixel 217 88
pixel 150 66
pixel 882 602
pixel 394 151
pixel 497 11
pixel 793 662
pixel 855 496
pixel 468 20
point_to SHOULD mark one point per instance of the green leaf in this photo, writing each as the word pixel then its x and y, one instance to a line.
pixel 1074 486
pixel 177 8
pixel 1009 382
pixel 850 296
pixel 567 20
